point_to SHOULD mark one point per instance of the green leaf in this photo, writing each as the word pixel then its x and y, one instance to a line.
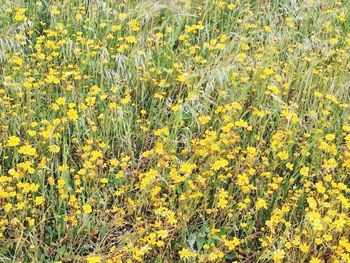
pixel 103 231
pixel 60 252
pixel 200 242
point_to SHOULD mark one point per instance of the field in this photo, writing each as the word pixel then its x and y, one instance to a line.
pixel 175 131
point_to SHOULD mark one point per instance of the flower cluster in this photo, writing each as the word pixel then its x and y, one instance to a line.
pixel 174 131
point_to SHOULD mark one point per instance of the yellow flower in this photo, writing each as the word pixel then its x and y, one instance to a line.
pixel 187 253
pixel 130 39
pixel 90 101
pixel 315 260
pixel 330 137
pixel 221 163
pixel 104 180
pixel 122 16
pixel 27 150
pixel 204 119
pixel 231 6
pixel 278 255
pixel 72 114
pixel 54 148
pixel 261 204
pixel 187 167
pixel 231 244
pixel 116 28
pixel 8 207
pixel 13 141
pixel 93 259
pixel 61 101
pixel 283 155
pixel 241 123
pixel 289 166
pixel 304 247
pixel 267 29
pixel 268 71
pixel 20 15
pixel 134 24
pixel 175 108
pixel 87 209
pixel 39 200
pixel 342 17
pixel 223 195
pixel 334 40
pixel 148 178
pixel 304 171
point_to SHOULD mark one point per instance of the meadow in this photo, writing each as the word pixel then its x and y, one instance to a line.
pixel 175 131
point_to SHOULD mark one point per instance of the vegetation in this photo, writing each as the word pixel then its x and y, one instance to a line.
pixel 174 131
